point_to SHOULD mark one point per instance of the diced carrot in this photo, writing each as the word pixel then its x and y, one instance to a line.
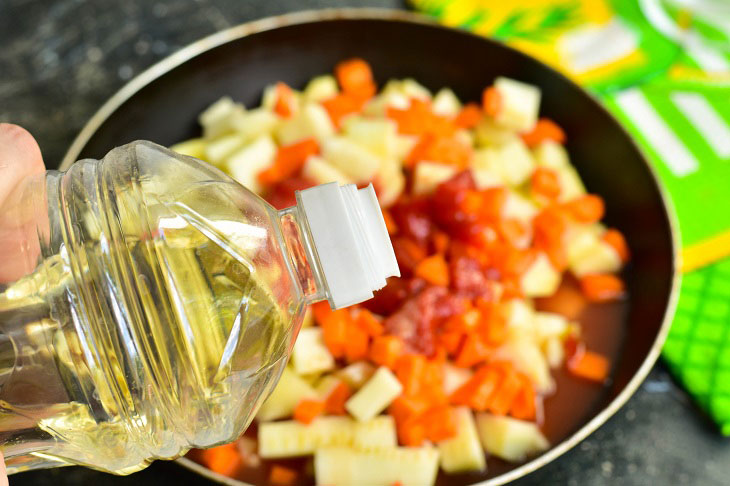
pixel 476 393
pixel 355 77
pixel 341 105
pixel 408 252
pixel 545 182
pixel 386 350
pixel 501 401
pixel 223 459
pixel 469 116
pixel 617 241
pixel 356 342
pixel 308 410
pixel 418 119
pixel 282 476
pixel 486 205
pixel 586 209
pixel 451 341
pixel 285 100
pixel 443 149
pixel 411 433
pixel 409 370
pixel 434 270
pixel 524 406
pixel 493 328
pixel 601 287
pixel 397 483
pixel 390 223
pixel 289 159
pixel 513 231
pixel 440 423
pixel 440 241
pixel 321 310
pixel 404 408
pixel 334 331
pixel 491 101
pixel 544 129
pixel 368 323
pixel 335 402
pixel 473 351
pixel 589 365
pixel 432 385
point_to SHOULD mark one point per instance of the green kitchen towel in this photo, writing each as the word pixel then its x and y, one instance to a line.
pixel 664 71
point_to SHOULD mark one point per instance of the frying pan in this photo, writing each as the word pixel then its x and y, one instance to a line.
pixel 162 105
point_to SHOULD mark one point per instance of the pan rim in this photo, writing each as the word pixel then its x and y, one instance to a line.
pixel 312 16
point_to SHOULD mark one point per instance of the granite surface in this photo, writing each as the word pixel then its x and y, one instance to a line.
pixel 61 60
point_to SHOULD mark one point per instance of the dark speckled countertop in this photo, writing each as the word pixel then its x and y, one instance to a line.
pixel 60 60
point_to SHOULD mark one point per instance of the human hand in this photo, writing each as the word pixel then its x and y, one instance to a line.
pixel 20 158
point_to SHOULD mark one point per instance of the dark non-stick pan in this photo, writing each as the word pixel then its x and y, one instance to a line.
pixel 163 103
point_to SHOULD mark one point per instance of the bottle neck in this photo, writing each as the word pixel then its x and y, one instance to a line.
pixel 303 260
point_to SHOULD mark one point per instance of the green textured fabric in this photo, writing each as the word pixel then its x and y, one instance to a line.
pixel 698 347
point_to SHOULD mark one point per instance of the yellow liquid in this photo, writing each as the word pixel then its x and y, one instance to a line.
pixel 179 345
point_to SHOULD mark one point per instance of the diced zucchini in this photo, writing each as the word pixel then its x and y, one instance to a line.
pixel 318 170
pixel 520 208
pixel 599 257
pixel 428 175
pixel 403 145
pixel 380 103
pixel 390 182
pixel 413 89
pixel 310 355
pixel 463 452
pixel 376 135
pixel 356 374
pixel 320 88
pixel 255 123
pixel 219 149
pixel 488 134
pixel 454 377
pixel 571 185
pixel 554 351
pixel 326 384
pixel 510 439
pixel 195 147
pixel 380 390
pixel 519 104
pixel 311 121
pixel 292 439
pixel 218 118
pixel 245 164
pixel 512 161
pixel 528 358
pixel 377 433
pixel 287 394
pixel 353 160
pixel 540 279
pixel 520 317
pixel 407 466
pixel 550 324
pixel 446 103
pixel 551 154
pixel 484 178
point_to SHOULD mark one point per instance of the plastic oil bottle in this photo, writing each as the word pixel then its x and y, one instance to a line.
pixel 159 302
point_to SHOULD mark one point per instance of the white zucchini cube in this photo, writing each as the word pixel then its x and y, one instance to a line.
pixel 290 438
pixel 520 317
pixel 219 149
pixel 355 161
pixel 446 103
pixel 571 185
pixel 407 466
pixel 379 105
pixel 454 377
pixel 404 144
pixel 390 182
pixel 321 88
pixel 380 390
pixel 510 439
pixel 597 257
pixel 413 89
pixel 318 170
pixel 463 453
pixel 527 357
pixel 310 355
pixel 195 147
pixel 520 208
pixel 376 135
pixel 554 351
pixel 551 154
pixel 245 164
pixel 377 433
pixel 428 175
pixel 540 279
pixel 290 390
pixel 255 123
pixel 485 178
pixel 311 121
pixel 519 104
pixel 512 161
pixel 356 374
pixel 218 118
pixel 550 324
pixel 488 134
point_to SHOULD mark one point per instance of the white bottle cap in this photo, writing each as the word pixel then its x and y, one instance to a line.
pixel 350 239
